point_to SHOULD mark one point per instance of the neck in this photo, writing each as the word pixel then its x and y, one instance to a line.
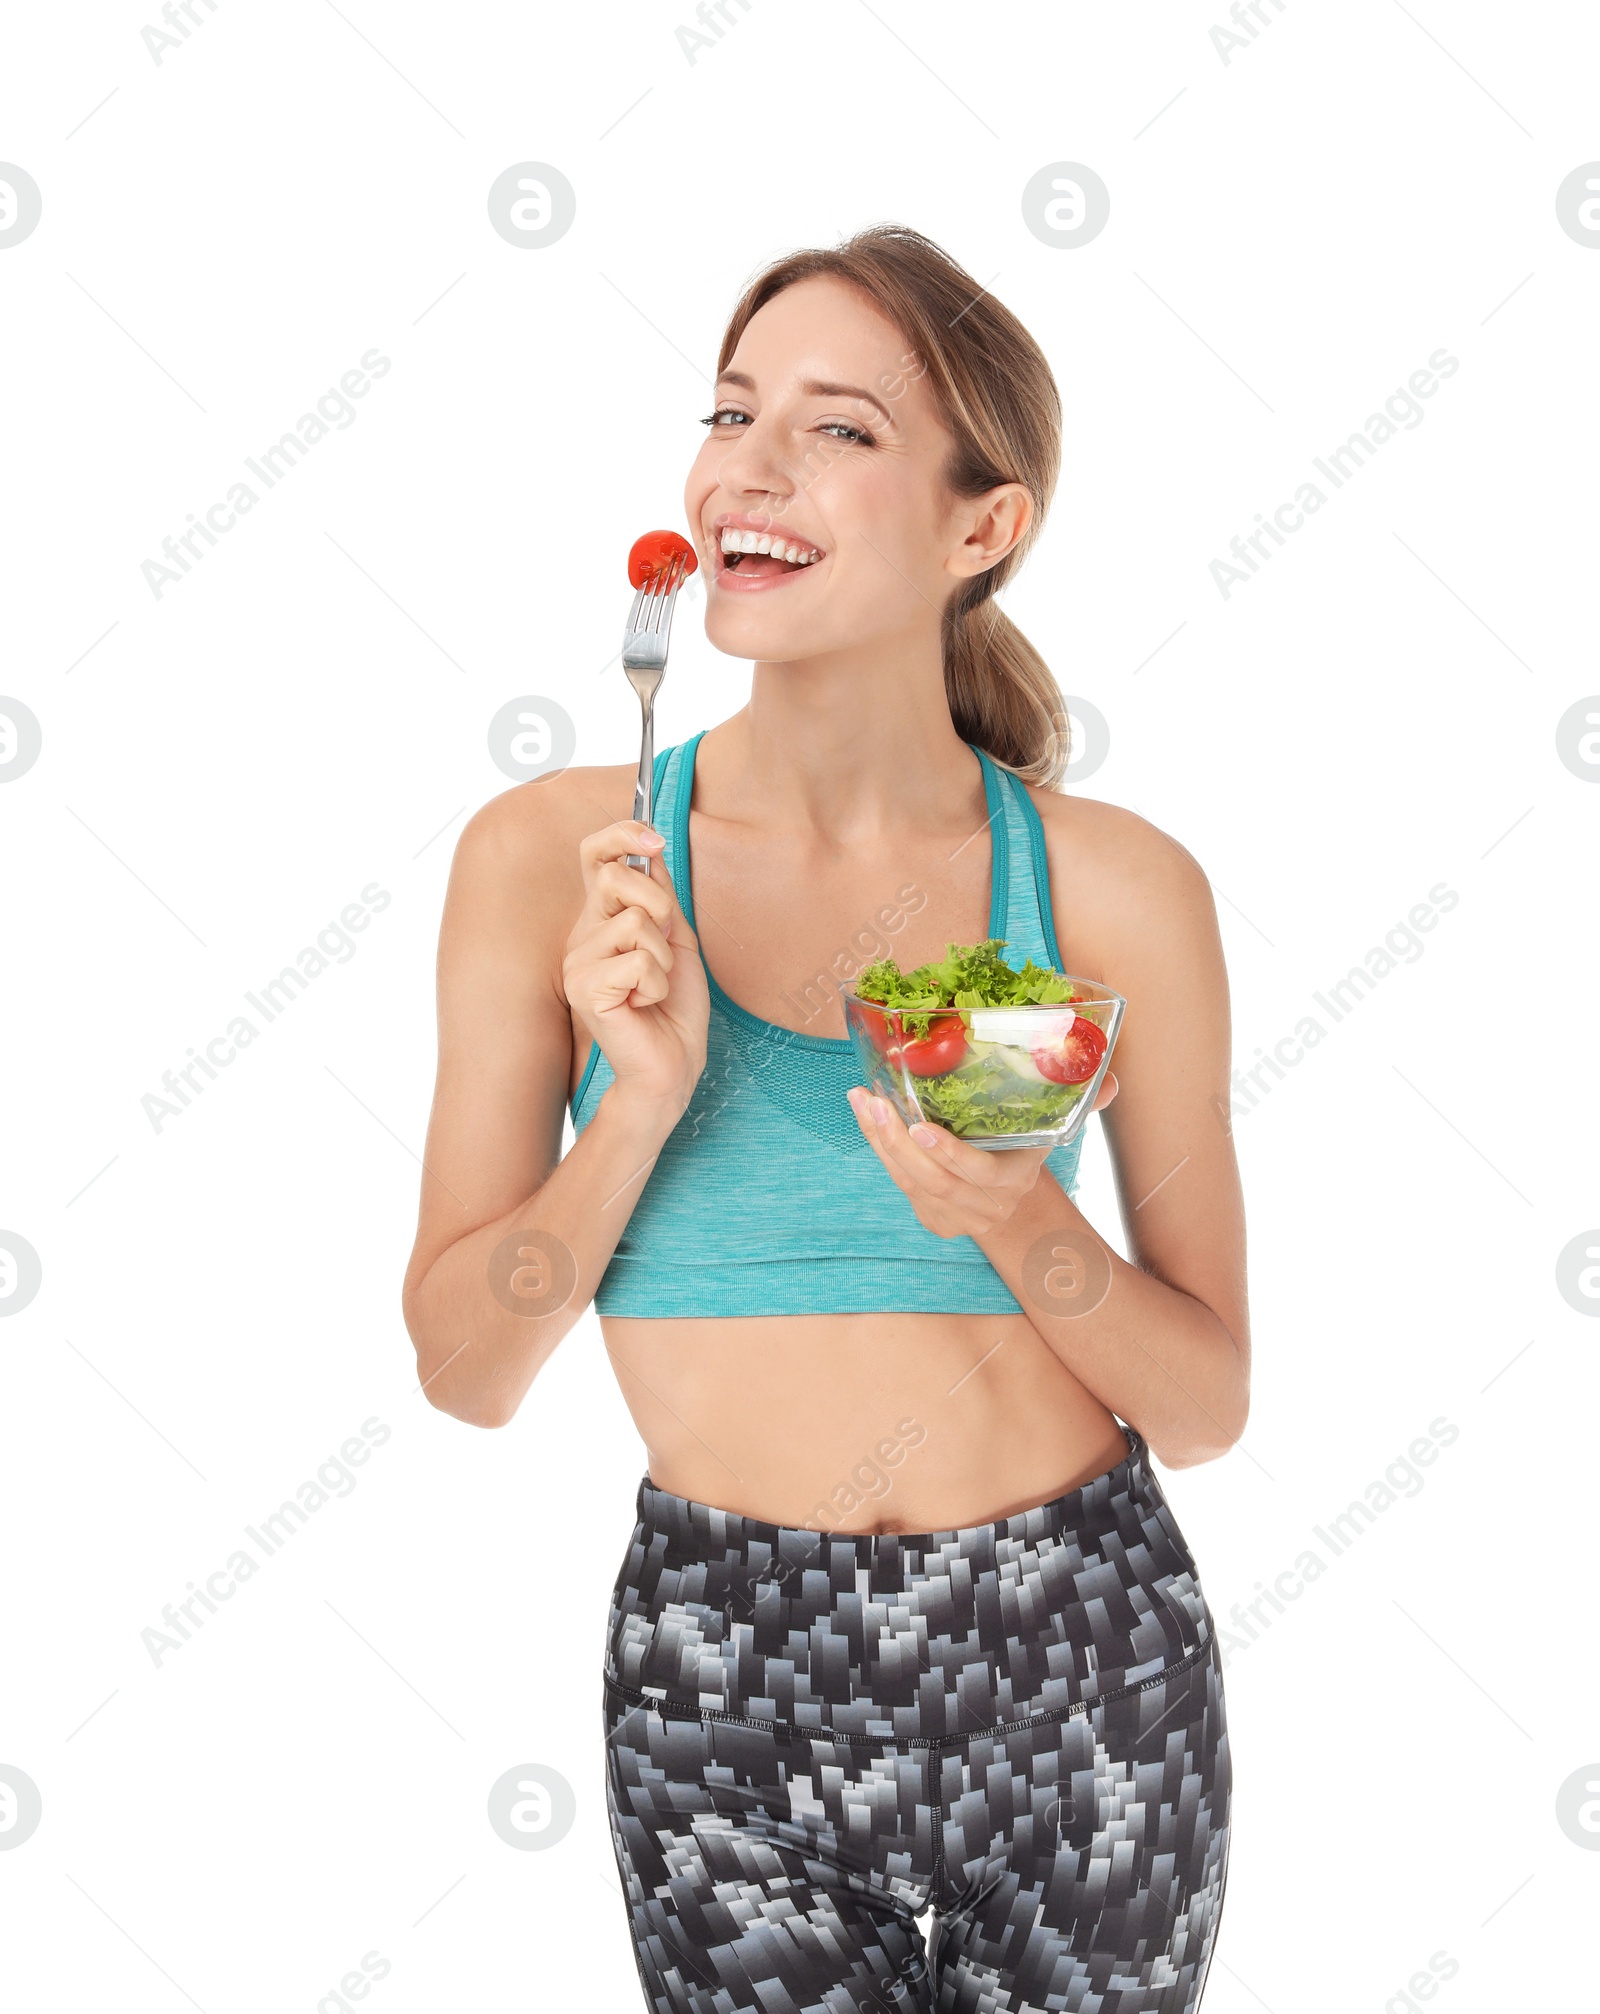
pixel 850 744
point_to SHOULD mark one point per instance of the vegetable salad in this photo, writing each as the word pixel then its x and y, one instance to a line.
pixel 978 1070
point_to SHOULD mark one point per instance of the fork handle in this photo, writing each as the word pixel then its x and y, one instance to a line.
pixel 644 785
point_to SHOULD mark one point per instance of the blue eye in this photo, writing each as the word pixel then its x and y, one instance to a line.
pixel 722 413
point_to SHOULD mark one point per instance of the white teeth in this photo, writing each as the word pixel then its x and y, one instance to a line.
pixel 734 540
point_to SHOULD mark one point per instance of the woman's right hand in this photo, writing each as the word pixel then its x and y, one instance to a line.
pixel 632 972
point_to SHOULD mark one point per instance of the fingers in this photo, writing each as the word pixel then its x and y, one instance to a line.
pixel 630 979
pixel 953 1218
pixel 611 885
pixel 626 959
pixel 1108 1090
pixel 616 888
pixel 615 842
pixel 632 930
pixel 943 1170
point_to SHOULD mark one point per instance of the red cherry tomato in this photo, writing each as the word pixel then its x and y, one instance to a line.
pixel 883 1030
pixel 930 1055
pixel 1072 1058
pixel 656 550
pixel 939 1051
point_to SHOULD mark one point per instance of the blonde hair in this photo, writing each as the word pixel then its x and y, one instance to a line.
pixel 997 396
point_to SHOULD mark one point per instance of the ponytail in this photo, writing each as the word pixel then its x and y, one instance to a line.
pixel 1002 694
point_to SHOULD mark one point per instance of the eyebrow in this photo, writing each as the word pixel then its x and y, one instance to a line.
pixel 816 388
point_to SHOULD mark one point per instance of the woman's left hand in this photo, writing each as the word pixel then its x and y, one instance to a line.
pixel 956 1189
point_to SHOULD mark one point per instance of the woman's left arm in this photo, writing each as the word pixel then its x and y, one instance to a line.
pixel 1163 1339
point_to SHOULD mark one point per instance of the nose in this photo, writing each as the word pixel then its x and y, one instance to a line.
pixel 754 465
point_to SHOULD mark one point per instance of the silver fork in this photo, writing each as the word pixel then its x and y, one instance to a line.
pixel 644 659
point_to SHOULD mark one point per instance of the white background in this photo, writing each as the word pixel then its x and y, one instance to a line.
pixel 1292 233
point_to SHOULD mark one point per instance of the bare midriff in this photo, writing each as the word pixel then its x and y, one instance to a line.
pixel 860 1422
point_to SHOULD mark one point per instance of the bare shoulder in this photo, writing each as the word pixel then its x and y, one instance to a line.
pixel 1119 883
pixel 525 841
pixel 516 883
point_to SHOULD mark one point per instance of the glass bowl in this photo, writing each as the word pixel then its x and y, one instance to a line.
pixel 996 1077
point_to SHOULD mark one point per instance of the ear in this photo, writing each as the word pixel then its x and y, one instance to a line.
pixel 987 527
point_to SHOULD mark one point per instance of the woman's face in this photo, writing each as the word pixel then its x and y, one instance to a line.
pixel 826 438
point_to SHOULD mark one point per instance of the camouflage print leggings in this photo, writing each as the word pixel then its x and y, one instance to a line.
pixel 815 1737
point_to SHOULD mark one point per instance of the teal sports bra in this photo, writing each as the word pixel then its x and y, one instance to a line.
pixel 766 1199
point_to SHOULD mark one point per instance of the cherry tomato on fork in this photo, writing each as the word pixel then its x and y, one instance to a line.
pixel 656 550
pixel 1074 1057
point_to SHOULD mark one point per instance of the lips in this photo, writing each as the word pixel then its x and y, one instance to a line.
pixel 752 553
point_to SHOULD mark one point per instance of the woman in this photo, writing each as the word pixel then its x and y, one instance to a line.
pixel 906 1621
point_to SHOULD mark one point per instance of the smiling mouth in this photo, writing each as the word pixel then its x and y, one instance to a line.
pixel 764 555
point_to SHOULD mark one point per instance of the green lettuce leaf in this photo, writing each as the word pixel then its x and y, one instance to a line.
pixel 984 1099
pixel 969 975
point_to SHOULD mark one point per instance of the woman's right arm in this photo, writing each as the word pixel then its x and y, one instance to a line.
pixel 511 960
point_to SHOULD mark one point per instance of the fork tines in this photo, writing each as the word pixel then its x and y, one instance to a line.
pixel 656 594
